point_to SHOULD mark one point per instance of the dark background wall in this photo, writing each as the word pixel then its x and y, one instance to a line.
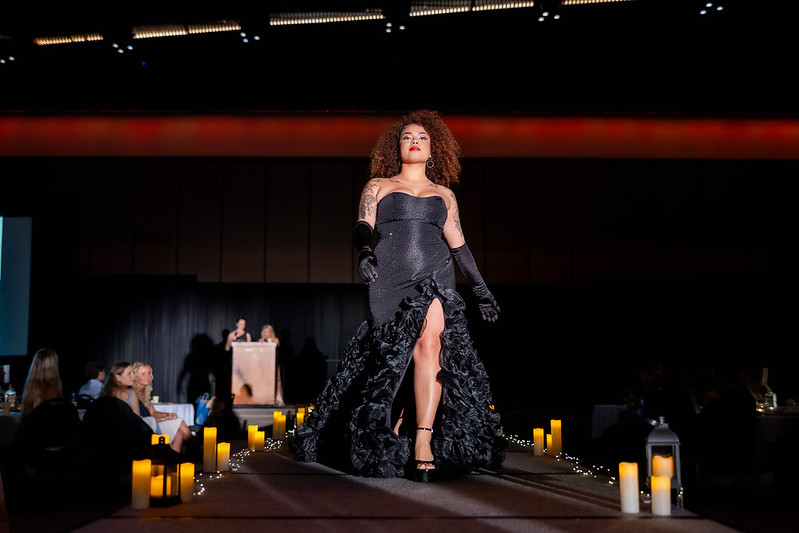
pixel 598 265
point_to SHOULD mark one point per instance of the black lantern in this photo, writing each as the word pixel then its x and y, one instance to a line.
pixel 164 474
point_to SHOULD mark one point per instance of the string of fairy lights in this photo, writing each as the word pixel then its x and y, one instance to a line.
pixel 203 480
pixel 546 11
pixel 236 461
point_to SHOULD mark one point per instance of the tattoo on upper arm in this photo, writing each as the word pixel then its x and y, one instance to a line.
pixel 368 200
pixel 456 219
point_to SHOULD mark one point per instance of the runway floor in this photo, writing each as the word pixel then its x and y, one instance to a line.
pixel 271 491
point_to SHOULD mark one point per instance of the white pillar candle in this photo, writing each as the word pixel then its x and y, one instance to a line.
pixel 281 427
pixel 209 450
pixel 223 456
pixel 258 441
pixel 628 487
pixel 276 416
pixel 538 441
pixel 661 495
pixel 251 429
pixel 662 466
pixel 549 443
pixel 140 484
pixel 557 440
pixel 186 482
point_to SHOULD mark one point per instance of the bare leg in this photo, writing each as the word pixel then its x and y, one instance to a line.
pixel 182 435
pixel 177 442
pixel 427 390
pixel 399 422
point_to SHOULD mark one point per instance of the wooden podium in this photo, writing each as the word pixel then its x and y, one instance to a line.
pixel 254 373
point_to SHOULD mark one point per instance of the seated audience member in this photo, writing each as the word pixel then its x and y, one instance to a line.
pixel 113 433
pixel 43 382
pixel 48 432
pixel 95 374
pixel 728 416
pixel 162 423
pixel 657 391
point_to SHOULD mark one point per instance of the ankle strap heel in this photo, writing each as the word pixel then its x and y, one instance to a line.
pixel 424 469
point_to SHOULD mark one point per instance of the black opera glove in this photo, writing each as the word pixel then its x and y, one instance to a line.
pixel 367 262
pixel 488 305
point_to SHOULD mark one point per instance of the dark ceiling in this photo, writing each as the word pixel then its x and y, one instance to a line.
pixel 637 57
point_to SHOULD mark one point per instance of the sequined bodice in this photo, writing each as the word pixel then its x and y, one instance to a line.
pixel 410 229
pixel 410 248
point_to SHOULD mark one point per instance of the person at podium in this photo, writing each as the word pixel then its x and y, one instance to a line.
pixel 224 364
pixel 239 334
pixel 268 335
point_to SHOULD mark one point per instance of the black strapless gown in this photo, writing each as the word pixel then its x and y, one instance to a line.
pixel 351 426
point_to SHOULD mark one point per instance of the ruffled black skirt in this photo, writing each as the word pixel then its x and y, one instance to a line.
pixel 351 427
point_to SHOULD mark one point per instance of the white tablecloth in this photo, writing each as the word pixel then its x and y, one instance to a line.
pixel 183 410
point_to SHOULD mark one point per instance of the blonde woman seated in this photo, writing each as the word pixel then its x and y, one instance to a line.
pixel 120 385
pixel 162 423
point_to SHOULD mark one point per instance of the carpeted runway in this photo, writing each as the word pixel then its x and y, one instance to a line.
pixel 270 491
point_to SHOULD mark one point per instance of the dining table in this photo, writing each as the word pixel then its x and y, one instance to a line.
pixel 183 410
pixel 777 427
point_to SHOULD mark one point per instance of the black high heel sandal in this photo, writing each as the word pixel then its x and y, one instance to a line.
pixel 423 474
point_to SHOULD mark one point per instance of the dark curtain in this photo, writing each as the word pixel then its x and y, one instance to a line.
pixel 162 321
pixel 555 349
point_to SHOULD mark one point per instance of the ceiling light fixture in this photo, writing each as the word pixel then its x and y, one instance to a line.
pixel 710 7
pixel 64 39
pixel 586 2
pixel 214 27
pixel 287 19
pixel 174 30
pixel 164 30
pixel 489 5
pixel 446 7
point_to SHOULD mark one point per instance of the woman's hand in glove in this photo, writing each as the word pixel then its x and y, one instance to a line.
pixel 367 262
pixel 367 266
pixel 489 309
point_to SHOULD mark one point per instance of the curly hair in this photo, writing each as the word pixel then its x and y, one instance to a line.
pixel 444 149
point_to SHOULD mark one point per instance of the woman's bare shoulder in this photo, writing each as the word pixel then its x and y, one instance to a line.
pixel 447 195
